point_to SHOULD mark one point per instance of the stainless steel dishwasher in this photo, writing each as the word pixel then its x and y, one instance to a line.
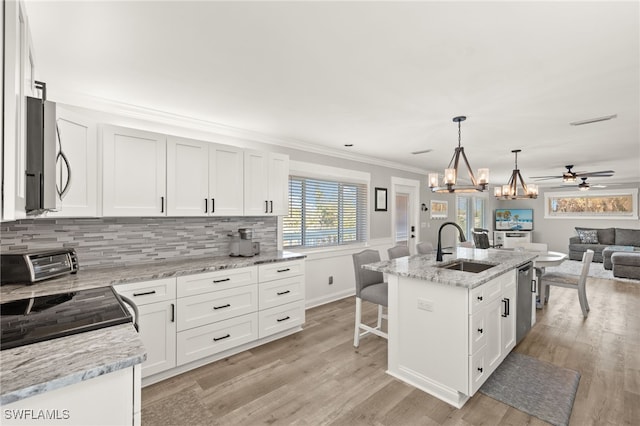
pixel 526 286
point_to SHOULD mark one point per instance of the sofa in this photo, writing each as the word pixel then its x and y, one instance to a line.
pixel 604 242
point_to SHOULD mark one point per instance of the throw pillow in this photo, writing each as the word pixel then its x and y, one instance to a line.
pixel 588 236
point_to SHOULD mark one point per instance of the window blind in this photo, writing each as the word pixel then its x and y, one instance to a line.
pixel 325 213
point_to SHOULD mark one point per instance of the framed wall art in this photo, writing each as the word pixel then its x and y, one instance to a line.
pixel 439 209
pixel 381 199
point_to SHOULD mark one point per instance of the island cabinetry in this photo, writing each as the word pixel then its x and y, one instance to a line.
pixel 134 172
pixel 220 312
pixel 266 186
pixel 491 327
pixel 448 339
pixel 156 304
pixel 203 178
pixel 281 297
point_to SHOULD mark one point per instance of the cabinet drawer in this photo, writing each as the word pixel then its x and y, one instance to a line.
pixel 281 318
pixel 146 292
pixel 478 371
pixel 218 280
pixel 194 311
pixel 477 331
pixel 482 295
pixel 278 292
pixel 277 270
pixel 210 339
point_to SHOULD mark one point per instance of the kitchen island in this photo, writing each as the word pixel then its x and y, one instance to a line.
pixel 450 329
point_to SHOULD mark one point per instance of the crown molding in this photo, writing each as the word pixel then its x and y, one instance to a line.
pixel 154 115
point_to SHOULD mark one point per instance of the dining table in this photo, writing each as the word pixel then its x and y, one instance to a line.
pixel 544 260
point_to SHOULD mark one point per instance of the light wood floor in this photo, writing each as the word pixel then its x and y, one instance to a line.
pixel 316 377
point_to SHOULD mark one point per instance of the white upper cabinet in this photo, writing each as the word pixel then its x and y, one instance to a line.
pixel 18 82
pixel 77 165
pixel 187 177
pixel 203 179
pixel 266 184
pixel 226 188
pixel 134 172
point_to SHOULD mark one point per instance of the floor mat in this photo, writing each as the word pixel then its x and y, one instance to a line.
pixel 535 387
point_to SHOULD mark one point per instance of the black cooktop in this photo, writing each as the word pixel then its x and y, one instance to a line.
pixel 27 321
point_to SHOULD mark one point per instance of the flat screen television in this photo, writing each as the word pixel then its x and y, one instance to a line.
pixel 514 219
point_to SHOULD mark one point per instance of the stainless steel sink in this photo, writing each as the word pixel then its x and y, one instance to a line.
pixel 467 266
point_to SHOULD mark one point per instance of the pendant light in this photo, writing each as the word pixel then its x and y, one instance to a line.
pixel 510 191
pixel 451 172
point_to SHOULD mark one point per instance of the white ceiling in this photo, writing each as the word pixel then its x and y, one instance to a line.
pixel 387 77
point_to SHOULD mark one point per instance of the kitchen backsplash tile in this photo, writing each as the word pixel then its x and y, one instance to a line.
pixel 115 241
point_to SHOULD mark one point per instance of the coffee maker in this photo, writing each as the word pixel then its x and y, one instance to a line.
pixel 242 245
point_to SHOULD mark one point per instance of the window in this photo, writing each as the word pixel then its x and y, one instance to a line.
pixel 470 213
pixel 325 213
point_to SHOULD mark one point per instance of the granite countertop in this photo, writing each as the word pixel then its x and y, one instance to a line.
pixel 41 367
pixel 101 277
pixel 424 267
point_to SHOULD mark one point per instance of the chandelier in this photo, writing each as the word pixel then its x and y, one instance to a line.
pixel 451 172
pixel 511 191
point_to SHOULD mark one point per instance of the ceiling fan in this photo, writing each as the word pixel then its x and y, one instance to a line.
pixel 571 176
pixel 584 185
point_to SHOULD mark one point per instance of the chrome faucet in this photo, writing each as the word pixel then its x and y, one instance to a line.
pixel 462 239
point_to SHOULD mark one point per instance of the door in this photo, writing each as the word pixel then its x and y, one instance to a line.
pixel 187 177
pixel 78 147
pixel 404 212
pixel 157 326
pixel 226 180
pixel 134 172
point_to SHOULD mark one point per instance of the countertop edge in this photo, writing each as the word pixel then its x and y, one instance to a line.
pixel 134 354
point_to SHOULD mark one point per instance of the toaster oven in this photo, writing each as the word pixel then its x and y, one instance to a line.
pixel 33 266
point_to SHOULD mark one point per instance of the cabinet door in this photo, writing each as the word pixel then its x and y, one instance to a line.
pixel 157 328
pixel 134 172
pixel 226 180
pixel 187 177
pixel 279 184
pixel 78 143
pixel 508 326
pixel 256 185
pixel 493 320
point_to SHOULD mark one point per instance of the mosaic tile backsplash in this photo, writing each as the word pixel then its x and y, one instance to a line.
pixel 119 240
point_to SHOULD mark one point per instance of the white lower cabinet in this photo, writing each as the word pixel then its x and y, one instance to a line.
pixel 110 399
pixel 156 304
pixel 281 318
pixel 190 320
pixel 217 337
pixel 447 340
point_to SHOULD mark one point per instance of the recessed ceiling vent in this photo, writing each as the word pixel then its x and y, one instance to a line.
pixel 593 120
pixel 424 151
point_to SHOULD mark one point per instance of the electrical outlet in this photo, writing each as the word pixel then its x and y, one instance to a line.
pixel 330 279
pixel 425 305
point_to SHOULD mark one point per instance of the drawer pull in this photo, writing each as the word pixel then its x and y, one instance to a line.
pixel 145 293
pixel 173 312
pixel 283 319
pixel 480 331
pixel 221 281
pixel 480 369
pixel 280 293
pixel 226 336
pixel 284 270
pixel 480 298
pixel 223 306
